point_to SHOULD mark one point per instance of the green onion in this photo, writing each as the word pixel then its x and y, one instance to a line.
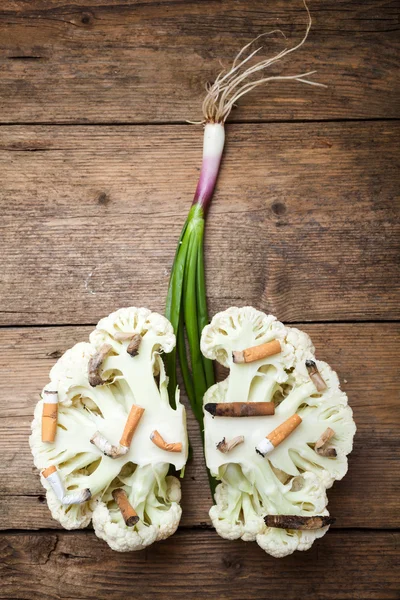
pixel 186 305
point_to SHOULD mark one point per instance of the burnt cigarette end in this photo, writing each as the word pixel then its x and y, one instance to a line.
pixel 298 522
pixel 238 356
pixel 211 407
pixel 315 376
pixel 259 452
pixel 95 364
pixel 329 452
pixel 133 347
pixel 225 447
pixel 86 495
pixel 131 521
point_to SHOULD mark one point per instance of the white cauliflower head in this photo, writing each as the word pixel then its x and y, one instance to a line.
pixel 83 410
pixel 292 479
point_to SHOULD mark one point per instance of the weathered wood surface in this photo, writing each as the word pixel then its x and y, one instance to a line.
pixel 107 62
pixel 198 564
pixel 304 223
pixel 365 356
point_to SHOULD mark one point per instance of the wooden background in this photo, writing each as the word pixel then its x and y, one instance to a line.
pixel 97 172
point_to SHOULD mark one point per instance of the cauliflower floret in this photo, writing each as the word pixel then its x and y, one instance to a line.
pixel 155 497
pixel 282 542
pixel 292 479
pixel 117 535
pixel 86 408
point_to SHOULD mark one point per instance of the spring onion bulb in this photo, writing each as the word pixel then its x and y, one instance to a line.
pixel 186 306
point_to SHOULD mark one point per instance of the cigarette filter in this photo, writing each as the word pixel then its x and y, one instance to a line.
pixel 278 435
pixel 49 415
pixel 76 497
pixel 159 441
pixel 128 512
pixel 257 352
pixel 132 422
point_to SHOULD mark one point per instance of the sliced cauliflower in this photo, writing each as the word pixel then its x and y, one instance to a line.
pixel 292 479
pixel 84 410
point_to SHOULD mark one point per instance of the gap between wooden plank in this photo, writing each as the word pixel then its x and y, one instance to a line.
pixel 175 123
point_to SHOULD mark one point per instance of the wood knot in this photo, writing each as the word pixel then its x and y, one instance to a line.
pixel 232 564
pixel 87 19
pixel 278 208
pixel 54 354
pixel 103 198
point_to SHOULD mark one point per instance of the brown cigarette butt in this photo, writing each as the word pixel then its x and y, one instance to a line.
pixel 159 441
pixel 225 447
pixel 49 422
pixel 240 409
pixel 257 352
pixel 298 522
pixel 279 434
pixel 320 445
pixel 315 376
pixel 49 471
pixel 123 336
pixel 95 363
pixel 128 512
pixel 132 422
pixel 133 347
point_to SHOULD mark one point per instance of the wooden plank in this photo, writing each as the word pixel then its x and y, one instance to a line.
pixel 304 223
pixel 60 566
pixel 91 61
pixel 365 356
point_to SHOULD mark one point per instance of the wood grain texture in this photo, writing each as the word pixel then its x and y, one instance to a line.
pixel 60 566
pixel 361 353
pixel 305 227
pixel 108 62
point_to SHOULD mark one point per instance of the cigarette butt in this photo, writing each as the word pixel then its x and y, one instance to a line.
pixel 132 422
pixel 320 445
pixel 77 497
pixel 95 363
pixel 278 435
pixel 128 512
pixel 123 336
pixel 49 416
pixel 55 481
pixel 298 522
pixel 315 376
pixel 257 352
pixel 159 441
pixel 225 447
pixel 133 347
pixel 102 443
pixel 240 409
pixel 48 471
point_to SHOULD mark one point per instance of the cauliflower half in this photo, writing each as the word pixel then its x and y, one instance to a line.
pixel 83 410
pixel 293 478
